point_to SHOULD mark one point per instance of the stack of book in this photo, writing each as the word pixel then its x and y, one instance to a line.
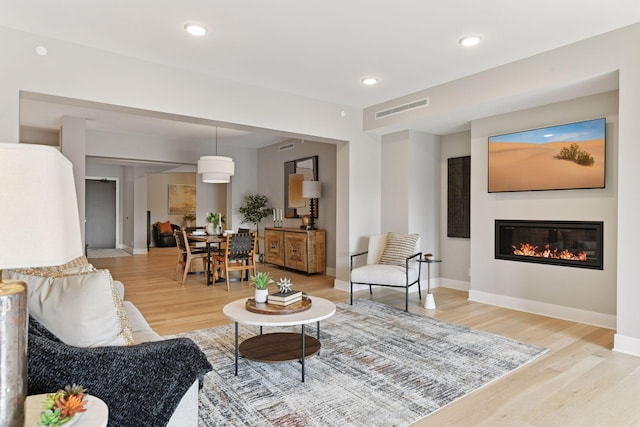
pixel 284 298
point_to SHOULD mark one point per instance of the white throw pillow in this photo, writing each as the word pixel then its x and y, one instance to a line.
pixel 398 248
pixel 82 310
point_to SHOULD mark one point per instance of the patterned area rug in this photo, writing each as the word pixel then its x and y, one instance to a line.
pixel 378 366
pixel 106 253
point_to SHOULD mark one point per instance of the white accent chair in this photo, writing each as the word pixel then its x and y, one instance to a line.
pixel 376 274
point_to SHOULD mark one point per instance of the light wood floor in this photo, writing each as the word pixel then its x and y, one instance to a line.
pixel 580 382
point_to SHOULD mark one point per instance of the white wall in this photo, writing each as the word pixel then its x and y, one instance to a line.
pixel 544 79
pixel 158 194
pixel 271 183
pixel 574 288
pixel 424 191
pixel 411 186
pixel 73 71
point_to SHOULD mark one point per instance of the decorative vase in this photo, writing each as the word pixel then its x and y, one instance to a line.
pixel 210 229
pixel 261 295
pixel 219 230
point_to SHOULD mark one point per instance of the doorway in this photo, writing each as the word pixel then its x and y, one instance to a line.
pixel 101 210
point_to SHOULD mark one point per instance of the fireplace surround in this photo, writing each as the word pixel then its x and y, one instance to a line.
pixel 566 243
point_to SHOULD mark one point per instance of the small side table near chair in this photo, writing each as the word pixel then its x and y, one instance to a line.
pixel 429 302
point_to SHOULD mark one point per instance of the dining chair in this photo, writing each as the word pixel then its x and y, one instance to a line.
pixel 187 253
pixel 239 255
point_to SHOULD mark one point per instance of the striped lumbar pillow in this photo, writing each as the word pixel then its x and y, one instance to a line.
pixel 398 248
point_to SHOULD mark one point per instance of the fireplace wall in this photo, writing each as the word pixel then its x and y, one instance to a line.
pixel 582 294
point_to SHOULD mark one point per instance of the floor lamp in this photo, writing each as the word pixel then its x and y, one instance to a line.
pixel 40 227
pixel 312 190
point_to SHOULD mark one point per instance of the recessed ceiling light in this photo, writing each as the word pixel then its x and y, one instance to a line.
pixel 195 29
pixel 369 81
pixel 41 50
pixel 469 41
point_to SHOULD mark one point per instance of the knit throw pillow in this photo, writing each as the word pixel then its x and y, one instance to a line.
pixel 398 248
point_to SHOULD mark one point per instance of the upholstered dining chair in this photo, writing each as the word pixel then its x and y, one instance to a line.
pixel 392 261
pixel 187 253
pixel 239 255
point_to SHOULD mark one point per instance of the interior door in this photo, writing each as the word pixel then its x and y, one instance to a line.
pixel 100 210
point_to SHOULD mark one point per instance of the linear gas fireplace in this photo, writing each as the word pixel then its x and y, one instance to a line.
pixel 568 243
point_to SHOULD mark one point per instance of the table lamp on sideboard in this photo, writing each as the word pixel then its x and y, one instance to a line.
pixel 39 226
pixel 312 190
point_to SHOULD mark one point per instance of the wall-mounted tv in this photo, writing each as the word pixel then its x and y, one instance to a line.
pixel 563 157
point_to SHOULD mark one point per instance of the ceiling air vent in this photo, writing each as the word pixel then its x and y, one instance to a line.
pixel 424 102
pixel 286 147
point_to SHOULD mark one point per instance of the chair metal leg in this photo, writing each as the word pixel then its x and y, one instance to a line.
pixel 406 299
pixel 350 293
pixel 370 290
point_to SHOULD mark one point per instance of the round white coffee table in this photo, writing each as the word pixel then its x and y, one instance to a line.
pixel 96 415
pixel 279 347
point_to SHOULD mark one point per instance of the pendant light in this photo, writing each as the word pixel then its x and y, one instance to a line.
pixel 216 169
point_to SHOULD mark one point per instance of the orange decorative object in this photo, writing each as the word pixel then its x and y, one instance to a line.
pixel 71 405
pixel 165 228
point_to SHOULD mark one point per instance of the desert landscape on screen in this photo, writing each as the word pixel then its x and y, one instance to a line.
pixel 517 166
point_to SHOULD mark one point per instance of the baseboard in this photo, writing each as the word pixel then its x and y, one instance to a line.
pixel 626 345
pixel 458 285
pixel 545 309
pixel 135 251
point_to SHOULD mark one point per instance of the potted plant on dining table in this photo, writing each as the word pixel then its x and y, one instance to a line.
pixel 214 223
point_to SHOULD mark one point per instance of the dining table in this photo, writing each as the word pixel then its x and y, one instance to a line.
pixel 210 241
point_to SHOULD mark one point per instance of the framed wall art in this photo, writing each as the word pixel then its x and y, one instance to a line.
pixel 182 199
pixel 296 171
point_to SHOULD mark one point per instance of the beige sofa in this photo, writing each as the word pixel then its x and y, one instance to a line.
pixel 78 290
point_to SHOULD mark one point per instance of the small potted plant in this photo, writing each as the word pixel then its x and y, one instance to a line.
pixel 188 220
pixel 260 281
pixel 214 222
pixel 62 406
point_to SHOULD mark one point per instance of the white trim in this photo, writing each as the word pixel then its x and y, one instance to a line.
pixel 132 251
pixel 626 345
pixel 545 309
pixel 454 284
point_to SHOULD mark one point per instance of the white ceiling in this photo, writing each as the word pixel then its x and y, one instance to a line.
pixel 318 49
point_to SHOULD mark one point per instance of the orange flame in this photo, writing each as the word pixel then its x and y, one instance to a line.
pixel 526 249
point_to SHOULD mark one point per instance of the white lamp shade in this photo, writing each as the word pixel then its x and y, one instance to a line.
pixel 215 178
pixel 311 189
pixel 38 205
pixel 216 169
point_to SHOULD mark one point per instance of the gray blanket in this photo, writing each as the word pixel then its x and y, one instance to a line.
pixel 141 384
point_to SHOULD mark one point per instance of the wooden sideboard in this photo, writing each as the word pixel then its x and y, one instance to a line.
pixel 294 248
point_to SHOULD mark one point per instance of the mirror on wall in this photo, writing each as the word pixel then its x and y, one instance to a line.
pixel 296 171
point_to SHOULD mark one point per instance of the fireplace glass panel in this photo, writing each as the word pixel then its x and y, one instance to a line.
pixel 568 243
